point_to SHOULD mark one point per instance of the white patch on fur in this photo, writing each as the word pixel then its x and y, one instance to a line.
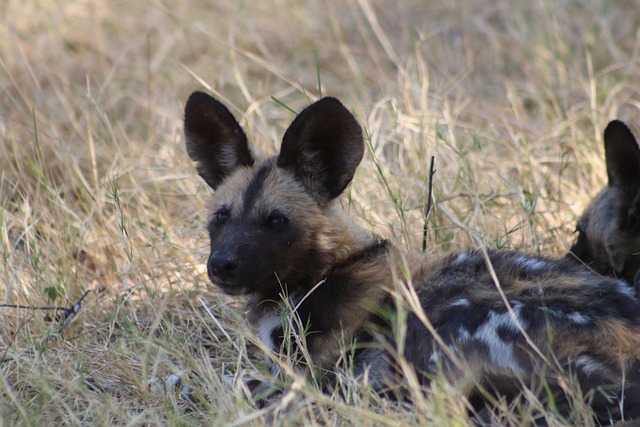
pixel 573 316
pixel 501 352
pixel 461 258
pixel 589 365
pixel 435 357
pixel 579 318
pixel 531 263
pixel 265 327
pixel 463 334
pixel 625 289
pixel 553 312
pixel 461 302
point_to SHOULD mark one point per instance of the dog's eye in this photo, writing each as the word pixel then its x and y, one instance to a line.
pixel 221 216
pixel 277 221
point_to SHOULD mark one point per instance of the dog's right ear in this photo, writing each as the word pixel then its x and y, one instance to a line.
pixel 215 141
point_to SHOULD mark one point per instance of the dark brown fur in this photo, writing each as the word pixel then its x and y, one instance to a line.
pixel 609 229
pixel 500 320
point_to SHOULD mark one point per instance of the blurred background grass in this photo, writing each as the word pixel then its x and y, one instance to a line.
pixel 97 192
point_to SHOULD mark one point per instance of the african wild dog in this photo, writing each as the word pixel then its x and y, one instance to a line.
pixel 498 320
pixel 609 229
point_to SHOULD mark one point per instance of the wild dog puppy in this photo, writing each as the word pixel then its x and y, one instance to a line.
pixel 485 319
pixel 609 229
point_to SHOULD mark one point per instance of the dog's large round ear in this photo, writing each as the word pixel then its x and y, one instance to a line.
pixel 622 155
pixel 323 147
pixel 215 141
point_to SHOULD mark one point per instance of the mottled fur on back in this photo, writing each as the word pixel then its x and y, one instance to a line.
pixel 609 229
pixel 318 285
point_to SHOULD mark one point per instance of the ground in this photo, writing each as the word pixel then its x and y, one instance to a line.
pixel 98 194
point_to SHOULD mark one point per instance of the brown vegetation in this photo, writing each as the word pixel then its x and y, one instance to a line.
pixel 97 191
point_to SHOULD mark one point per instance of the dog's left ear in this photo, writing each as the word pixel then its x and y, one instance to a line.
pixel 322 148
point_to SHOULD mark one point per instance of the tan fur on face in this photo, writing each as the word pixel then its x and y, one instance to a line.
pixel 334 231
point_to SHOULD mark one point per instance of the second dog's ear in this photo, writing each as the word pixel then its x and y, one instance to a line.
pixel 622 155
pixel 323 147
pixel 215 141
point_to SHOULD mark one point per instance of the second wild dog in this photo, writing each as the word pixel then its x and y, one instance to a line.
pixel 490 320
pixel 609 229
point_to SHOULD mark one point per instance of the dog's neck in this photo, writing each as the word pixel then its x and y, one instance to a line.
pixel 336 301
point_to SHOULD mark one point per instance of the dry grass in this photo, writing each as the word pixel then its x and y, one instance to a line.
pixel 97 192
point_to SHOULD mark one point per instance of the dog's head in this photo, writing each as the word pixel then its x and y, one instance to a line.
pixel 609 229
pixel 271 221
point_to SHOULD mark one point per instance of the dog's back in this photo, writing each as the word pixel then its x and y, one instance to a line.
pixel 514 319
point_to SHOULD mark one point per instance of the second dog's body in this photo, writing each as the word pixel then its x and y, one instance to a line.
pixel 322 291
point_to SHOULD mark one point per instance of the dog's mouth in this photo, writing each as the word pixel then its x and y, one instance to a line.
pixel 228 287
pixel 244 285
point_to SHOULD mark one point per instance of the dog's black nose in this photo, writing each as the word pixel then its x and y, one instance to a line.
pixel 222 264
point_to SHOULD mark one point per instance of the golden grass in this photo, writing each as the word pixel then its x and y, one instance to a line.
pixel 97 192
